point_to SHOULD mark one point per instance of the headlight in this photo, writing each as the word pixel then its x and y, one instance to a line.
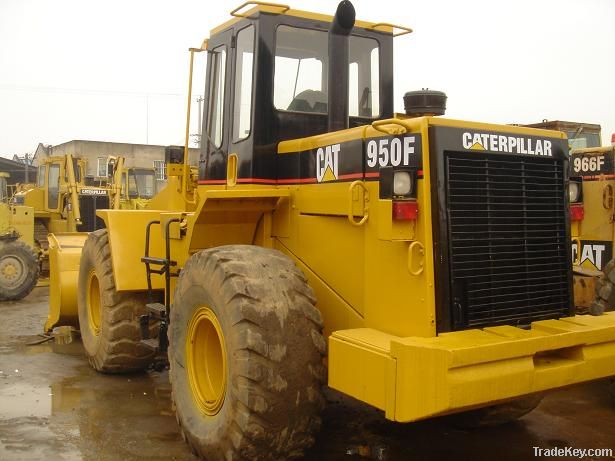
pixel 574 191
pixel 402 183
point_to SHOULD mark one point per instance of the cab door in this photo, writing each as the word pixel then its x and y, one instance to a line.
pixel 216 126
pixel 52 191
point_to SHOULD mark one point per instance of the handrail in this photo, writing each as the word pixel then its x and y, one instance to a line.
pixel 379 124
pixel 235 13
pixel 350 203
pixel 577 258
pixel 186 175
pixel 421 262
pixel 405 30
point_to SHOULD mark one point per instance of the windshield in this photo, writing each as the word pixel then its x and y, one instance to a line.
pixel 582 140
pixel 141 184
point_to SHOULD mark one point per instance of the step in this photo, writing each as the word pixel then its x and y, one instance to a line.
pixel 157 310
pixel 151 344
pixel 158 261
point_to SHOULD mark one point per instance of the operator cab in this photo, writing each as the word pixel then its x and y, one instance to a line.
pixel 267 81
pixel 138 183
pixel 3 187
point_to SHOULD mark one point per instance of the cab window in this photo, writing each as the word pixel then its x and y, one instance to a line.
pixel 123 191
pixel 42 170
pixel 300 79
pixel 53 186
pixel 216 96
pixel 363 76
pixel 243 84
pixel 300 70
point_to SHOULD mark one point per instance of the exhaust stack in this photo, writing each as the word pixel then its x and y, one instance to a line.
pixel 340 29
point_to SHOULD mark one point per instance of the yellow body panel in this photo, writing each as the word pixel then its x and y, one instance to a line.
pixel 596 231
pixel 22 221
pixel 343 260
pixel 414 378
pixel 127 243
pixel 17 219
pixel 64 257
pixel 134 204
pixel 5 216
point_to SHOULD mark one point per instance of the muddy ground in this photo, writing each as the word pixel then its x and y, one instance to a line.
pixel 54 407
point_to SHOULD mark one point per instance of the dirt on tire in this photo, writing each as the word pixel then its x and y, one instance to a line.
pixel 274 351
pixel 116 347
pixel 605 292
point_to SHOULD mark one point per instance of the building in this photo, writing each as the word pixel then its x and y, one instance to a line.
pixel 97 153
pixel 18 172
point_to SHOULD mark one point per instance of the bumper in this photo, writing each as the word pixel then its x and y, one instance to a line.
pixel 415 378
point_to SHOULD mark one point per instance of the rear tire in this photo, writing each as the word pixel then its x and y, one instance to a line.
pixel 605 292
pixel 19 270
pixel 108 319
pixel 246 355
pixel 496 415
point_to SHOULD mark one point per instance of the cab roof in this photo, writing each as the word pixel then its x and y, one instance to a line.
pixel 257 8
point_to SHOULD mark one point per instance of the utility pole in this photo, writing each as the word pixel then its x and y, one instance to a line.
pixel 147 119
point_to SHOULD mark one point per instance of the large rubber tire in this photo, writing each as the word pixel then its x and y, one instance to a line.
pixel 268 361
pixel 108 319
pixel 19 270
pixel 605 292
pixel 496 415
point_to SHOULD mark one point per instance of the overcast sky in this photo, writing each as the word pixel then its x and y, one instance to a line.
pixel 116 70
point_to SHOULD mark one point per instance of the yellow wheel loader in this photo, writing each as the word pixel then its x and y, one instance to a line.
pixel 416 263
pixel 592 213
pixel 139 185
pixel 19 267
pixel 59 203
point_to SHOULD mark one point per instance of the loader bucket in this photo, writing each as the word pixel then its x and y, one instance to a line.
pixel 64 257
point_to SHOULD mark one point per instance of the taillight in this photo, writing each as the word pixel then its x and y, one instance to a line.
pixel 406 210
pixel 577 212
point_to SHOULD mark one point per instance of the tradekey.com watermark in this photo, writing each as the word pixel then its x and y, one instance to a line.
pixel 569 452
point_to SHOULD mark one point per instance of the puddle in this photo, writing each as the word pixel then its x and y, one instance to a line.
pixel 21 399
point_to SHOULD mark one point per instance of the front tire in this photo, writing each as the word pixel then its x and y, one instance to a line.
pixel 605 292
pixel 19 270
pixel 108 319
pixel 246 355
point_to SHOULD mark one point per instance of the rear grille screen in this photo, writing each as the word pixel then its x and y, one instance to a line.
pixel 88 204
pixel 507 239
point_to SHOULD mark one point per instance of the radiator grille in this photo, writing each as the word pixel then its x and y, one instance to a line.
pixel 507 239
pixel 88 204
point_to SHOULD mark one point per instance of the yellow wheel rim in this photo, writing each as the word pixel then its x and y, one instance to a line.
pixel 93 303
pixel 12 271
pixel 206 361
